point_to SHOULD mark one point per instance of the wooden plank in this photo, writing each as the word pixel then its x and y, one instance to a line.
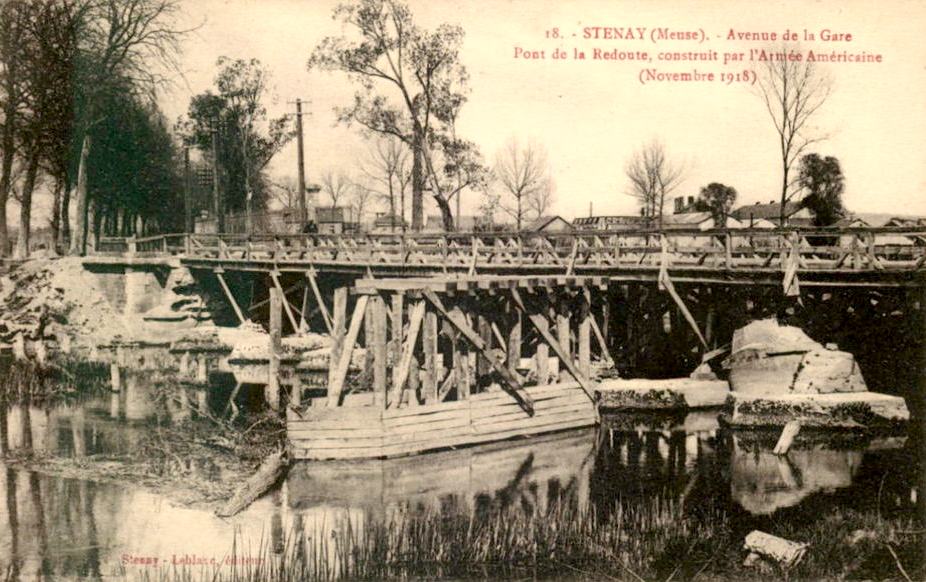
pixel 337 383
pixel 511 383
pixel 538 320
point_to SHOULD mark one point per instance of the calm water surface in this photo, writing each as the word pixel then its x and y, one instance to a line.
pixel 73 527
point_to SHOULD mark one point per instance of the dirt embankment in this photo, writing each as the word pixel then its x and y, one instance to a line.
pixel 57 302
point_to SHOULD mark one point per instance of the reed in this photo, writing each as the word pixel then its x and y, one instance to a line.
pixel 654 540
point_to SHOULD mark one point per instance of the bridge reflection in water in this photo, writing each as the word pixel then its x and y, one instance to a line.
pixel 76 527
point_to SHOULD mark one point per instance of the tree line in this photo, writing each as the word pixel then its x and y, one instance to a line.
pixel 78 80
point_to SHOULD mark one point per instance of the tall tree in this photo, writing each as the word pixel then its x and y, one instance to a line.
pixel 13 68
pixel 793 92
pixel 717 199
pixel 248 138
pixel 120 44
pixel 523 172
pixel 653 177
pixel 411 85
pixel 822 182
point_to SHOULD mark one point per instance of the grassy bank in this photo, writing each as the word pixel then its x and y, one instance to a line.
pixel 653 541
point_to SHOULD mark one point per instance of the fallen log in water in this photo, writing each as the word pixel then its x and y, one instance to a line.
pixel 266 476
pixel 785 552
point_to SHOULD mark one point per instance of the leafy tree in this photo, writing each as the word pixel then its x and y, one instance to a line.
pixel 410 85
pixel 823 183
pixel 247 138
pixel 717 199
pixel 118 44
pixel 652 176
pixel 793 92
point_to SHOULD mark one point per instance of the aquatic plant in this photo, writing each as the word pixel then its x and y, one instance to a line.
pixel 654 540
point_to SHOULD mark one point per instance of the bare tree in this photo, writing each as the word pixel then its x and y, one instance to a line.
pixel 793 91
pixel 337 185
pixel 541 200
pixel 361 199
pixel 388 170
pixel 652 176
pixel 523 172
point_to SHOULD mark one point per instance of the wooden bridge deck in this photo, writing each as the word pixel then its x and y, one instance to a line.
pixel 856 256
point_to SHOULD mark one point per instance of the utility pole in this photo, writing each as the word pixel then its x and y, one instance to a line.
pixel 303 212
pixel 187 203
pixel 217 205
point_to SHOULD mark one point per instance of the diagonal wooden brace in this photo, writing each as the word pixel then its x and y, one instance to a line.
pixel 511 384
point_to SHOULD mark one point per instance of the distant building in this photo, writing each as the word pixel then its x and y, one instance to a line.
pixel 465 223
pixel 795 214
pixel 335 220
pixel 387 223
pixel 549 224
pixel 611 223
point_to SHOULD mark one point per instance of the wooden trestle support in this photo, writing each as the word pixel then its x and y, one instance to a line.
pixel 451 361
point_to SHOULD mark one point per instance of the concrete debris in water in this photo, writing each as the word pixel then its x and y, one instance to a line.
pixel 767 359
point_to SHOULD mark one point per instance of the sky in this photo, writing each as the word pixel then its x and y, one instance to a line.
pixel 591 115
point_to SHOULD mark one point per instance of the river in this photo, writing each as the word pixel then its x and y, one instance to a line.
pixel 65 526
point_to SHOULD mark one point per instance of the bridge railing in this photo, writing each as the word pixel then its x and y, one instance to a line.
pixel 811 248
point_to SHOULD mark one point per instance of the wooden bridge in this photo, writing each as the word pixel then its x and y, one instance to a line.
pixel 891 256
pixel 470 338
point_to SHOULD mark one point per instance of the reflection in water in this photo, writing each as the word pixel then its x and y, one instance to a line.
pixel 57 527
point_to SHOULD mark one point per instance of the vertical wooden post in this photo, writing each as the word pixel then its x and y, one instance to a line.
pixel 461 365
pixel 562 330
pixel 272 392
pixel 429 346
pixel 378 340
pixel 484 326
pixel 542 363
pixel 585 339
pixel 395 347
pixel 115 377
pixel 338 329
pixel 514 338
pixel 202 372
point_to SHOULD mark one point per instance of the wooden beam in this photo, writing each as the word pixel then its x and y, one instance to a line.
pixel 429 347
pixel 286 307
pixel 539 321
pixel 378 315
pixel 303 326
pixel 599 336
pixel 514 338
pixel 584 339
pixel 310 275
pixel 336 386
pixel 511 384
pixel 400 375
pixel 272 392
pixel 231 298
pixel 337 331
